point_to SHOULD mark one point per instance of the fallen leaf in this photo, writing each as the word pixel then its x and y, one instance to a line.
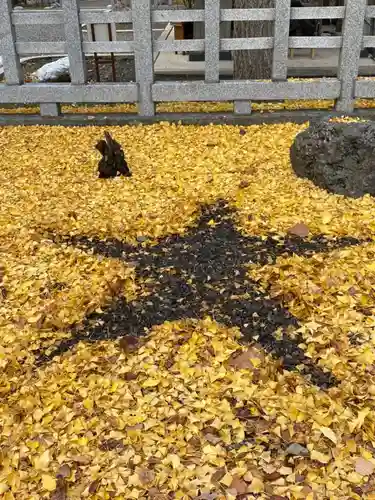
pixel 195 442
pixel 60 492
pixel 248 477
pixel 136 427
pixel 64 471
pixel 82 459
pixel 218 475
pixel 117 285
pixel 48 482
pixel 130 376
pixel 359 421
pixel 146 476
pixel 73 215
pixel 231 494
pixel 244 184
pixel 364 467
pixel 250 359
pixel 42 462
pixel 320 457
pixel 94 486
pixel 227 479
pixel 244 413
pixel 178 419
pixel 129 344
pixel 326 217
pixel 207 496
pixel 212 438
pixel 306 490
pixel 272 476
pixel 300 230
pixel 285 471
pixel 111 444
pixel 3 487
pixel 239 485
pixel 256 485
pixel 239 268
pixel 156 494
pixel 328 433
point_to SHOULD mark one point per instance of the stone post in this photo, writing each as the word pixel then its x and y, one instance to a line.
pixel 225 31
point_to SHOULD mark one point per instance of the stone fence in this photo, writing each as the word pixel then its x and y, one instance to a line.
pixel 146 92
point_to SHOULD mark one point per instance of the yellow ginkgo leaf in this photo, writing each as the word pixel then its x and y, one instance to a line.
pixel 328 433
pixel 320 457
pixel 48 482
pixel 42 462
pixel 256 486
pixel 326 217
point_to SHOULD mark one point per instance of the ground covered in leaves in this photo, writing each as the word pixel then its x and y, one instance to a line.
pixel 254 289
pixel 192 107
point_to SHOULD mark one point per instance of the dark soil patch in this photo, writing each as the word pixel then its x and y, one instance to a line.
pixel 204 273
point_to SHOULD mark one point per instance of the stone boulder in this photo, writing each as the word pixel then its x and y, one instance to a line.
pixel 338 157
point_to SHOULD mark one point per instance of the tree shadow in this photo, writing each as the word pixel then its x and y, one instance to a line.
pixel 204 272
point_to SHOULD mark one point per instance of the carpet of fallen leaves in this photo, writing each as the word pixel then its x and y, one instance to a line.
pixel 194 107
pixel 182 414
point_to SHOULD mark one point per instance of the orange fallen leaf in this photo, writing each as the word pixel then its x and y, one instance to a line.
pixel 248 360
pixel 300 230
pixel 116 286
pixel 239 485
pixel 244 184
pixel 129 344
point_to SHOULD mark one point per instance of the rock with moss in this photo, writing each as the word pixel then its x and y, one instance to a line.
pixel 337 156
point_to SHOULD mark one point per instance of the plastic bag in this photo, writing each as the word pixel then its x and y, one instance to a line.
pixel 52 72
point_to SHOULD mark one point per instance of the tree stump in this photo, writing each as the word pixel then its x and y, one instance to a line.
pixel 113 161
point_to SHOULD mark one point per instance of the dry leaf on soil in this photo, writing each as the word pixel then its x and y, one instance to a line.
pixel 250 359
pixel 300 230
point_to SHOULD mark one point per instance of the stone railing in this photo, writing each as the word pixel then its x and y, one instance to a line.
pixel 145 91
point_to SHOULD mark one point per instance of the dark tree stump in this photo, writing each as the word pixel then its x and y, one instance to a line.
pixel 113 162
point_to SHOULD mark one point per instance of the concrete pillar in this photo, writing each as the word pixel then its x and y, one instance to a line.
pixel 199 27
pixel 225 30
